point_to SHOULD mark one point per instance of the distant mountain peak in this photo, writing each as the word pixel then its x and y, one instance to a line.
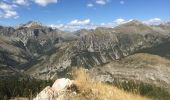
pixel 134 23
pixel 32 24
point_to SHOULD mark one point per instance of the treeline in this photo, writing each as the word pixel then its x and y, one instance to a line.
pixel 148 90
pixel 21 87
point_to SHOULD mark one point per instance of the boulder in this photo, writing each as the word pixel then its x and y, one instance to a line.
pixel 56 91
pixel 62 84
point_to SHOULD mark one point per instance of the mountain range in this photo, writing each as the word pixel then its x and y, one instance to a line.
pixel 130 51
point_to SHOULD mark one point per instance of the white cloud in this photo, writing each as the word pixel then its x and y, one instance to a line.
pixel 154 21
pixel 108 25
pixel 80 22
pixel 74 25
pixel 102 2
pixel 90 5
pixel 59 26
pixel 8 7
pixel 86 24
pixel 44 2
pixel 122 2
pixel 75 28
pixel 21 2
pixel 121 21
pixel 8 11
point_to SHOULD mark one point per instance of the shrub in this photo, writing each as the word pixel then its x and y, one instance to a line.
pixel 21 87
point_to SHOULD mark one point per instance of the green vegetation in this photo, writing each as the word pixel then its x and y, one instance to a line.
pixel 151 91
pixel 18 87
pixel 161 50
pixel 26 87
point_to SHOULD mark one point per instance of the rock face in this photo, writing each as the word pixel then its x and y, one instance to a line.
pixel 56 91
pixel 98 47
pixel 31 24
pixel 13 55
pixel 36 37
pixel 32 39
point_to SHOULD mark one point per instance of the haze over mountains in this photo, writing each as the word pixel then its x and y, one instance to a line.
pixel 130 51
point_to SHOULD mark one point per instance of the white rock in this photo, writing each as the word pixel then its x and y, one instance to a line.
pixel 61 84
pixel 46 94
pixel 55 91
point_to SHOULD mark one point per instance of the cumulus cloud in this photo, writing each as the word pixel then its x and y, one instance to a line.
pixel 122 2
pixel 8 11
pixel 21 2
pixel 154 21
pixel 80 22
pixel 108 25
pixel 75 25
pixel 101 2
pixel 90 5
pixel 87 24
pixel 120 21
pixel 68 27
pixel 59 26
pixel 8 7
pixel 44 2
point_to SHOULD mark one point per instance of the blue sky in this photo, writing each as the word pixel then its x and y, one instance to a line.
pixel 66 12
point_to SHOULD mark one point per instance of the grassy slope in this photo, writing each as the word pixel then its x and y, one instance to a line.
pixel 141 64
pixel 93 90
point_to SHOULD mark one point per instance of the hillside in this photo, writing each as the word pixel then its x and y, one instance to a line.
pixel 13 55
pixel 85 88
pixel 142 67
pixel 97 47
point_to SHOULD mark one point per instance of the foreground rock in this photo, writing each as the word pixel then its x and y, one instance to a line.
pixel 84 88
pixel 57 90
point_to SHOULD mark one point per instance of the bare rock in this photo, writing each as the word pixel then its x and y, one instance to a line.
pixel 56 92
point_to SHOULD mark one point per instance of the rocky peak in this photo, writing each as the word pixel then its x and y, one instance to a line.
pixel 32 24
pixel 134 27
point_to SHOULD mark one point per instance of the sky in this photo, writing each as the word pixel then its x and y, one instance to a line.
pixel 83 13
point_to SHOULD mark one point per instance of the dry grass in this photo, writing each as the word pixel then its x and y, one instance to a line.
pixel 89 89
pixel 93 90
pixel 20 98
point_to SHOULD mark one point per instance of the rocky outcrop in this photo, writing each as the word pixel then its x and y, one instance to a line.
pixel 84 88
pixel 57 91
